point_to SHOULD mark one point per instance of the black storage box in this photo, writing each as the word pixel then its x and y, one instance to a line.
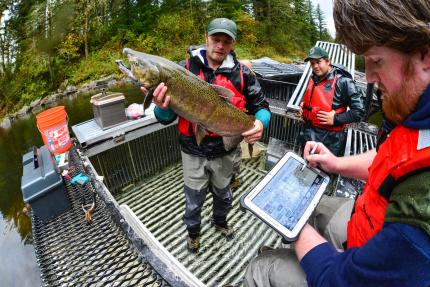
pixel 109 109
pixel 41 185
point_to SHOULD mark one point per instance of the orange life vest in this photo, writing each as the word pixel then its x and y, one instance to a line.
pixel 319 97
pixel 187 128
pixel 397 158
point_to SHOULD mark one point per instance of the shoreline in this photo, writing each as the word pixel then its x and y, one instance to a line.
pixel 39 104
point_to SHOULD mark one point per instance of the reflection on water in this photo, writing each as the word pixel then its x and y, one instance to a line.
pixel 17 260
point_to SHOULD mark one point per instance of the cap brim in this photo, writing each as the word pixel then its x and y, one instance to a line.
pixel 214 31
pixel 312 58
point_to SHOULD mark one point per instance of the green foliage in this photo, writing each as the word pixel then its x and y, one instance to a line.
pixel 101 63
pixel 359 63
pixel 146 43
pixel 70 48
pixel 175 32
pixel 247 28
pixel 27 83
pixel 321 26
pixel 45 44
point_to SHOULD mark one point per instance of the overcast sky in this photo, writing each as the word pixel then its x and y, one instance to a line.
pixel 327 8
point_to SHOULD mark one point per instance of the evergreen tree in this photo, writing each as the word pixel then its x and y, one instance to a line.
pixel 323 33
pixel 46 42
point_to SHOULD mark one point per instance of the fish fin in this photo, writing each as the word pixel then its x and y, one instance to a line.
pixel 250 149
pixel 231 142
pixel 148 99
pixel 223 92
pixel 199 132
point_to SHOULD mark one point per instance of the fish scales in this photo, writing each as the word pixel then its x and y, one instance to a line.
pixel 190 97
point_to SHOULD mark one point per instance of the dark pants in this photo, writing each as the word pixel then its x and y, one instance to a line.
pixel 222 201
pixel 333 140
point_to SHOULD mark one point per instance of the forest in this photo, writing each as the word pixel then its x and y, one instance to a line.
pixel 48 45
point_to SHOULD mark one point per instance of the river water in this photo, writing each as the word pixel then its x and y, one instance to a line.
pixel 18 265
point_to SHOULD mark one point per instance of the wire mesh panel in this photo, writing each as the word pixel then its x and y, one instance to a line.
pixel 71 252
pixel 132 161
pixel 277 93
pixel 285 127
pixel 360 138
pixel 270 69
pixel 159 203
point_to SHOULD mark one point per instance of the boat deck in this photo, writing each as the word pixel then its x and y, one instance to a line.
pixel 159 203
pixel 142 242
pixel 71 252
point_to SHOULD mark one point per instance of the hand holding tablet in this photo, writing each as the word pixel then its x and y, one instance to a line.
pixel 287 195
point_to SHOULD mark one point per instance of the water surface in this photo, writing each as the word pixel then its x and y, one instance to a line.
pixel 18 265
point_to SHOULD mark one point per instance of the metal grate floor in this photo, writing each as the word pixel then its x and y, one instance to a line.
pixel 71 252
pixel 159 203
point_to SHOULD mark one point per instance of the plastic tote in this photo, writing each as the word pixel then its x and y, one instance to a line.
pixel 52 125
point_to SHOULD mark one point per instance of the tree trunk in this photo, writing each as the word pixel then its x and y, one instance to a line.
pixel 3 52
pixel 86 34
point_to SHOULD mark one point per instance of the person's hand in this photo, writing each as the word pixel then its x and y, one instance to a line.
pixel 159 95
pixel 301 109
pixel 322 157
pixel 254 134
pixel 326 118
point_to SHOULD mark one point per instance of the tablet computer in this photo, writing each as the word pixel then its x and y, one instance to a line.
pixel 286 197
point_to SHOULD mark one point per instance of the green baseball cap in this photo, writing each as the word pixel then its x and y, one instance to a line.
pixel 223 25
pixel 316 53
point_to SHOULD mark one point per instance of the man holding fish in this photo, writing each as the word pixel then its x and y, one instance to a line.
pixel 210 132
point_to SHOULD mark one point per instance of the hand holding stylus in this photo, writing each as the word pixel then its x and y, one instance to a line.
pixel 310 153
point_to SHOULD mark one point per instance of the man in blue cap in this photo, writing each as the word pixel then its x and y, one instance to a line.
pixel 331 90
pixel 208 167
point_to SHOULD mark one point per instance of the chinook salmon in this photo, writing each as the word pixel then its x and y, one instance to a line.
pixel 205 105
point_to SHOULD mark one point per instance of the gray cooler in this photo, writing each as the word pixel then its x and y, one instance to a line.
pixel 108 109
pixel 41 185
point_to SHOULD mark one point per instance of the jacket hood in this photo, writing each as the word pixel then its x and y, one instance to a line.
pixel 420 119
pixel 340 69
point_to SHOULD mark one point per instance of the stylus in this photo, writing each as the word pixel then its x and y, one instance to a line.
pixel 311 153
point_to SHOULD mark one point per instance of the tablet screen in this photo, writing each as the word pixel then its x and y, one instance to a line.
pixel 288 194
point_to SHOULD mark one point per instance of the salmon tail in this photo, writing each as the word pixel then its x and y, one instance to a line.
pixel 231 142
pixel 250 149
pixel 200 133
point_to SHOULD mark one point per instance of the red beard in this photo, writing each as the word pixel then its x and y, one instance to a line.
pixel 399 105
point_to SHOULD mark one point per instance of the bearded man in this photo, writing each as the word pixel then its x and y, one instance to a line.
pixel 387 237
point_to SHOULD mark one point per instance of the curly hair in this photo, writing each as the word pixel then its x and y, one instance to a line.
pixel 403 25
